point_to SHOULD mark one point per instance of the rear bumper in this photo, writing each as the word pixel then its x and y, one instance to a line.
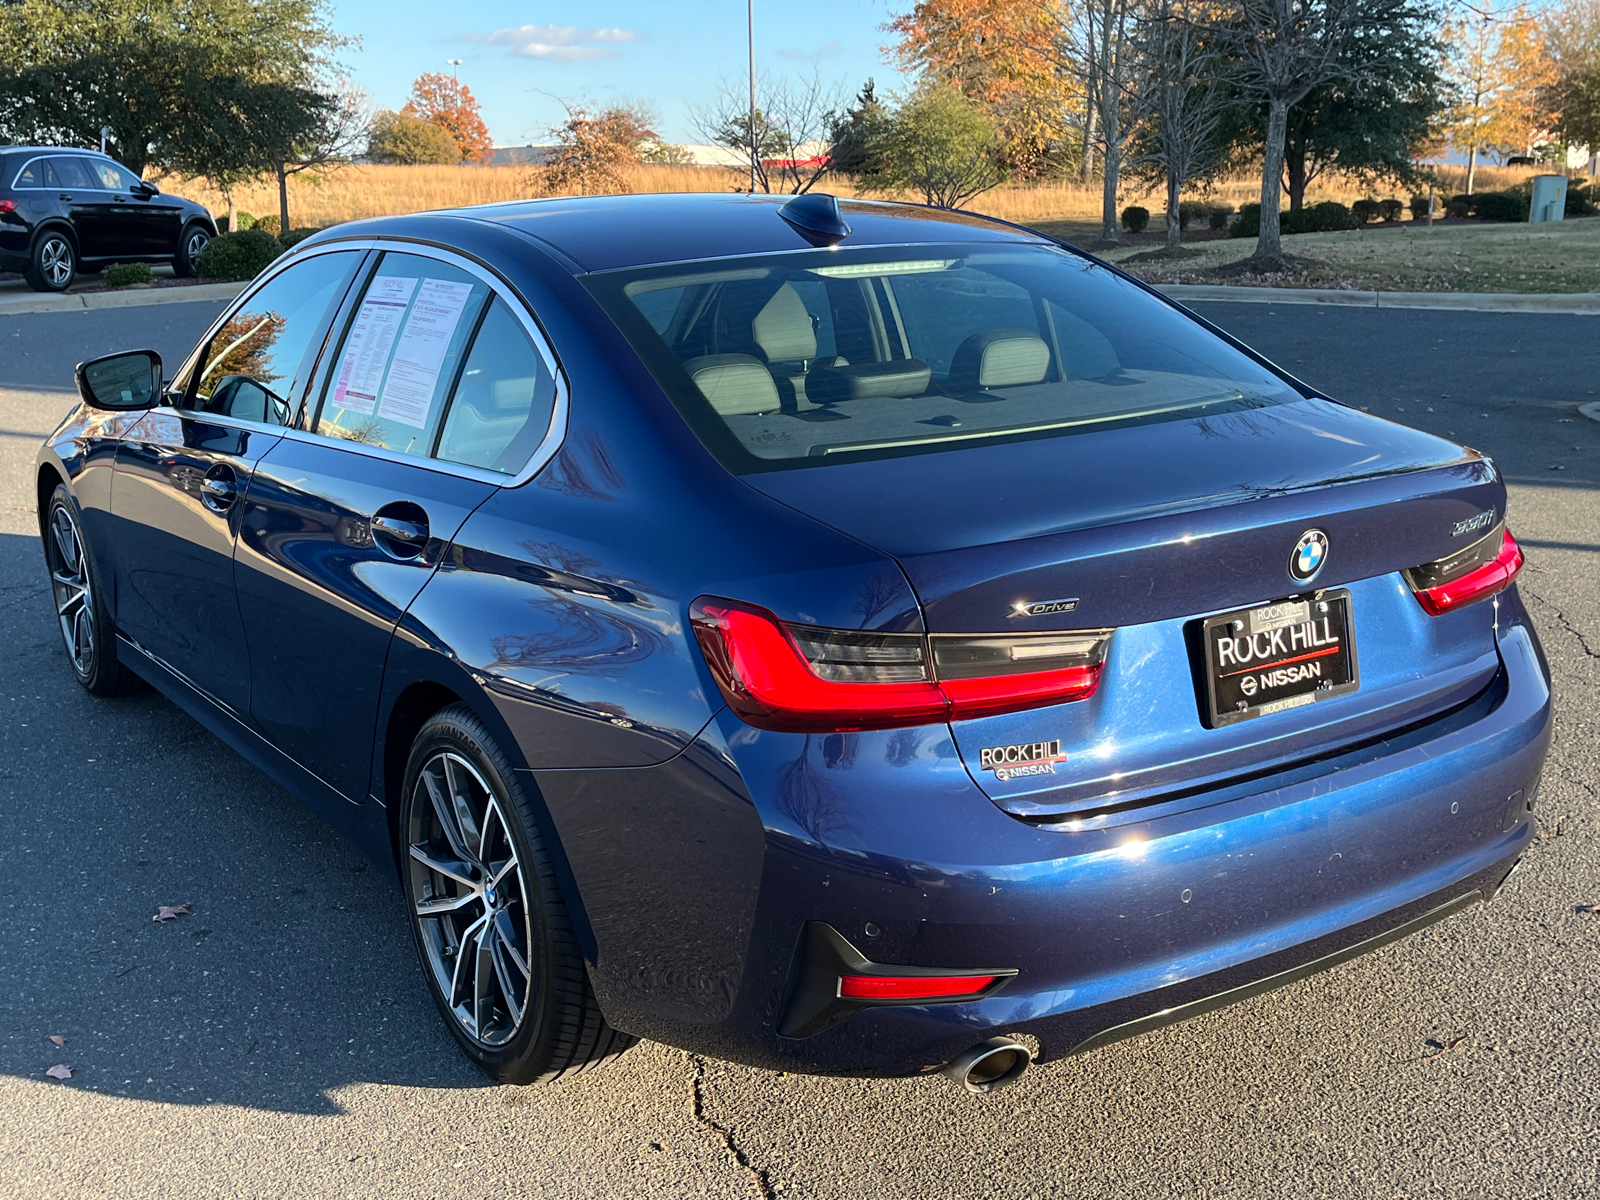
pixel 1113 929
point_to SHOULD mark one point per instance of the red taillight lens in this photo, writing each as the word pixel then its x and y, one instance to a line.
pixel 912 987
pixel 1482 569
pixel 7 206
pixel 809 680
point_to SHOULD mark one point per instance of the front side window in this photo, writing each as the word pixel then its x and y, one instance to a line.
pixel 799 359
pixel 401 353
pixel 251 364
pixel 112 177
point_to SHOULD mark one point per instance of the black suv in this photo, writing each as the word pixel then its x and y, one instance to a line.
pixel 65 212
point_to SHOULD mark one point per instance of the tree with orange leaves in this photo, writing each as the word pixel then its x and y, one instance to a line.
pixel 1503 74
pixel 445 101
pixel 1006 55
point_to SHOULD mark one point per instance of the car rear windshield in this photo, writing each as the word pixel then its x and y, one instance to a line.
pixel 808 358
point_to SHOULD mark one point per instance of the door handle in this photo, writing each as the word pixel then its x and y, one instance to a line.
pixel 63 196
pixel 218 492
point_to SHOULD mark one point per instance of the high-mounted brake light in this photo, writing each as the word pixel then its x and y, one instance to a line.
pixel 912 987
pixel 1480 570
pixel 806 679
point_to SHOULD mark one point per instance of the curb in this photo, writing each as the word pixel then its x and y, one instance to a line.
pixel 33 303
pixel 1592 411
pixel 1578 303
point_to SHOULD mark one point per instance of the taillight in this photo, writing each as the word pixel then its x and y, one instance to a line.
pixel 7 206
pixel 1472 573
pixel 806 679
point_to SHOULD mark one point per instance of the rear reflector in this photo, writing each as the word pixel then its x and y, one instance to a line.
pixel 806 679
pixel 1480 570
pixel 912 987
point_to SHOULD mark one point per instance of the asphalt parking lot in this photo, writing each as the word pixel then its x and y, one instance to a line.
pixel 278 1041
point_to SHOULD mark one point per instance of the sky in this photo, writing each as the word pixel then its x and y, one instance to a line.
pixel 522 59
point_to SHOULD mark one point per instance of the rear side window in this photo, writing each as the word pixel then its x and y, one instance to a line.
pixel 798 359
pixel 31 175
pixel 72 172
pixel 251 364
pixel 401 354
pixel 502 407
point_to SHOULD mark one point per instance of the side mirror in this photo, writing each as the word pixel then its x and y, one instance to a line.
pixel 121 382
pixel 145 189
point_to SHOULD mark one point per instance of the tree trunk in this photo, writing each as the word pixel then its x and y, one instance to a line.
pixel 1174 203
pixel 1294 164
pixel 1087 170
pixel 233 215
pixel 1472 166
pixel 1108 194
pixel 283 200
pixel 1269 249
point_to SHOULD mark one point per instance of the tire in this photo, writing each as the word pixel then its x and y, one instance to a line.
pixel 193 240
pixel 52 263
pixel 485 880
pixel 86 630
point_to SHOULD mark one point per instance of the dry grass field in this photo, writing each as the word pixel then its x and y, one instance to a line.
pixel 373 191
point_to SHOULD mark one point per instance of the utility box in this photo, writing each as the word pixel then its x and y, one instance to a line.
pixel 1549 198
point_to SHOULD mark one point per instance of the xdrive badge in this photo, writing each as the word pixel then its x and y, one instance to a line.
pixel 1029 758
pixel 1042 608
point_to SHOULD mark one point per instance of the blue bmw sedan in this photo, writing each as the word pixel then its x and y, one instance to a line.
pixel 833 636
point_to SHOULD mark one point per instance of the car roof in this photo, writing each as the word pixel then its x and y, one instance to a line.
pixel 54 150
pixel 603 233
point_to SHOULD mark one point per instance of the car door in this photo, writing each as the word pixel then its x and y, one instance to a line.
pixel 147 223
pixel 183 471
pixel 86 204
pixel 348 518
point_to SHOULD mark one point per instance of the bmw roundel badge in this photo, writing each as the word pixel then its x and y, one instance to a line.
pixel 1308 555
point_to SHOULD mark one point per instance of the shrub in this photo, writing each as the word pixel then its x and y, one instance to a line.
pixel 242 220
pixel 295 236
pixel 1459 206
pixel 1249 222
pixel 1502 206
pixel 404 138
pixel 1188 213
pixel 127 274
pixel 1419 208
pixel 1365 211
pixel 1134 218
pixel 1219 218
pixel 269 225
pixel 1390 210
pixel 235 257
pixel 1578 204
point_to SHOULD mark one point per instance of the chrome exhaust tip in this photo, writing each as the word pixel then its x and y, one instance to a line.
pixel 990 1066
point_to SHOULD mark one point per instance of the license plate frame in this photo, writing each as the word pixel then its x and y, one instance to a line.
pixel 1315 642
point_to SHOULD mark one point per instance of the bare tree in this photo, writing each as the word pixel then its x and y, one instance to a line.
pixel 1282 49
pixel 787 149
pixel 1178 105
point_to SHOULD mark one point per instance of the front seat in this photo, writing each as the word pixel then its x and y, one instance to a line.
pixel 999 358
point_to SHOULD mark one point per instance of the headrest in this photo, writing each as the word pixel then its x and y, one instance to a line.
pixel 783 328
pixel 867 381
pixel 999 358
pixel 734 383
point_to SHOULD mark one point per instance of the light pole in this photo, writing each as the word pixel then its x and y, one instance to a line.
pixel 750 22
pixel 453 63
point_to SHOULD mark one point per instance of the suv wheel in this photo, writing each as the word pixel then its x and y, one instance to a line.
pixel 487 916
pixel 53 263
pixel 194 239
pixel 86 629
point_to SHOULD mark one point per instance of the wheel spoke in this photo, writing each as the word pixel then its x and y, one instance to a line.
pixel 465 817
pixel 461 872
pixel 505 930
pixel 435 906
pixel 515 998
pixel 496 874
pixel 469 937
pixel 483 979
pixel 446 813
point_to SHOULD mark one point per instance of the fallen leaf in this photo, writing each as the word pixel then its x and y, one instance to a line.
pixel 58 1039
pixel 1589 908
pixel 170 912
pixel 1446 1046
pixel 60 1071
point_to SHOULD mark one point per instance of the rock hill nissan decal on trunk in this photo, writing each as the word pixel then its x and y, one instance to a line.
pixel 1030 758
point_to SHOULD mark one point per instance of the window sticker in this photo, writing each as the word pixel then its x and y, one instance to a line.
pixel 419 354
pixel 367 352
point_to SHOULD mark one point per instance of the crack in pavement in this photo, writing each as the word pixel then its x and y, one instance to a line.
pixel 1566 624
pixel 756 1175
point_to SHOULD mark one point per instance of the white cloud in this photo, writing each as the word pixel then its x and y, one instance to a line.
pixel 556 43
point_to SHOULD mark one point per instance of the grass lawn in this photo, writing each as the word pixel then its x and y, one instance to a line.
pixel 1563 256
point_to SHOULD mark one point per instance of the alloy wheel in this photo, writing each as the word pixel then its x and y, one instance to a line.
pixel 55 261
pixel 69 580
pixel 196 243
pixel 470 899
